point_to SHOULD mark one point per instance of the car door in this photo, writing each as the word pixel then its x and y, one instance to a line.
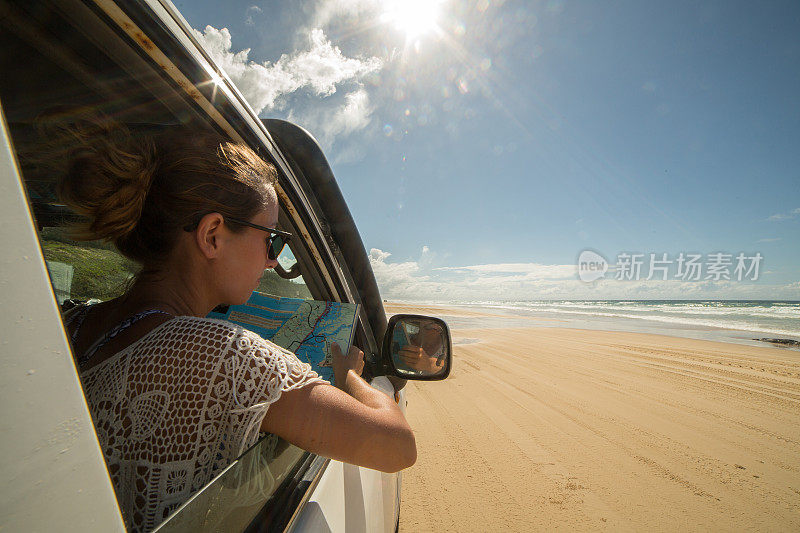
pixel 53 472
pixel 139 62
pixel 350 498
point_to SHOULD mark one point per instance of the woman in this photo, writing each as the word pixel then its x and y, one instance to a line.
pixel 176 397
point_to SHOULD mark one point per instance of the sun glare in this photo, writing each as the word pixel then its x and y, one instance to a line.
pixel 414 17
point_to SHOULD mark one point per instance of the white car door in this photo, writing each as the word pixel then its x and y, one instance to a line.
pixel 54 476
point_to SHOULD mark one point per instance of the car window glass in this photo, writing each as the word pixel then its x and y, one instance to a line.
pixel 293 286
pixel 58 58
pixel 83 271
pixel 237 496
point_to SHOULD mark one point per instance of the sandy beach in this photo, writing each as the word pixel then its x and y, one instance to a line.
pixel 541 428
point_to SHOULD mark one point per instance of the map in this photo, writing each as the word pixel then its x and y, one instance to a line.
pixel 305 327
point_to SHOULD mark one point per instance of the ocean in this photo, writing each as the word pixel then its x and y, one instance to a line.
pixel 739 321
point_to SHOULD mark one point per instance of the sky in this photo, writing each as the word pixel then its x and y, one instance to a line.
pixel 483 145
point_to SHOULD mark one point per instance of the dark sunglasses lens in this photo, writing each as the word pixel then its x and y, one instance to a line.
pixel 276 246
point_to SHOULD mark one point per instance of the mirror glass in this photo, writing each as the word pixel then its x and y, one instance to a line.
pixel 420 346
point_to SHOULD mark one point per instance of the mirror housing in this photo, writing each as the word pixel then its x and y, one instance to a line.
pixel 417 347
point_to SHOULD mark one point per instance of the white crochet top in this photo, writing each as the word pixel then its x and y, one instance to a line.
pixel 180 404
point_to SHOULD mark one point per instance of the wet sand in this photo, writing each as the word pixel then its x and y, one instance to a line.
pixel 552 428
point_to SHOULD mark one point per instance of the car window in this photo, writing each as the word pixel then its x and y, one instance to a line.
pixel 83 271
pixel 238 494
pixel 293 285
pixel 65 55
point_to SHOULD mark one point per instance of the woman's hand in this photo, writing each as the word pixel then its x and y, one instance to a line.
pixel 342 364
pixel 416 358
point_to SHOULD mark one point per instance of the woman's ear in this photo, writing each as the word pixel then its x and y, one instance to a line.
pixel 209 235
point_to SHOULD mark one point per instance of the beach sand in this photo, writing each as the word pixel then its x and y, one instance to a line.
pixel 553 428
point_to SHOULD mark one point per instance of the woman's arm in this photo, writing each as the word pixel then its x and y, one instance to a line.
pixel 354 423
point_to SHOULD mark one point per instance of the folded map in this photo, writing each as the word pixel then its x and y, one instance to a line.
pixel 305 327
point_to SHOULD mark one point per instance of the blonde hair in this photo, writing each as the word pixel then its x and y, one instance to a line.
pixel 139 190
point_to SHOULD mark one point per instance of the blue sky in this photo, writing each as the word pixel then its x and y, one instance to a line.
pixel 483 146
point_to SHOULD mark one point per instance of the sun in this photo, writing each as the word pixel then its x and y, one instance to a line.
pixel 413 17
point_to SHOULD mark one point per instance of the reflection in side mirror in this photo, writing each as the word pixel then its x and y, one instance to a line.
pixel 418 347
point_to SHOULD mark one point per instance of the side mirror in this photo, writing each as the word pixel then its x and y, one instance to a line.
pixel 418 347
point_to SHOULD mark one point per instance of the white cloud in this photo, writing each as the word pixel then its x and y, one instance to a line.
pixel 250 11
pixel 776 239
pixel 330 10
pixel 321 68
pixel 327 125
pixel 785 216
pixel 412 281
pixel 531 270
pixel 352 116
pixel 395 278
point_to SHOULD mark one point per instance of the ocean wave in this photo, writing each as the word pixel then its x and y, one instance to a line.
pixel 689 321
pixel 712 309
pixel 772 318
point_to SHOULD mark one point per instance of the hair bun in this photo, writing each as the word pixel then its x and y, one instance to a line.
pixel 110 173
pixel 139 188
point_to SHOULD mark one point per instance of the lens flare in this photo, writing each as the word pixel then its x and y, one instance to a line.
pixel 414 17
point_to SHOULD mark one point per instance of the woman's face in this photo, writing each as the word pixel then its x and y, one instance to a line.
pixel 246 255
pixel 430 339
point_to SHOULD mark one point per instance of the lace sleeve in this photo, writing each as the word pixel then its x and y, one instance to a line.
pixel 260 372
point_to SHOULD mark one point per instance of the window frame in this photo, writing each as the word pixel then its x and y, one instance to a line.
pixel 154 26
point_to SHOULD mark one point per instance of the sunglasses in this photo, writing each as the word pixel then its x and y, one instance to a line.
pixel 275 242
